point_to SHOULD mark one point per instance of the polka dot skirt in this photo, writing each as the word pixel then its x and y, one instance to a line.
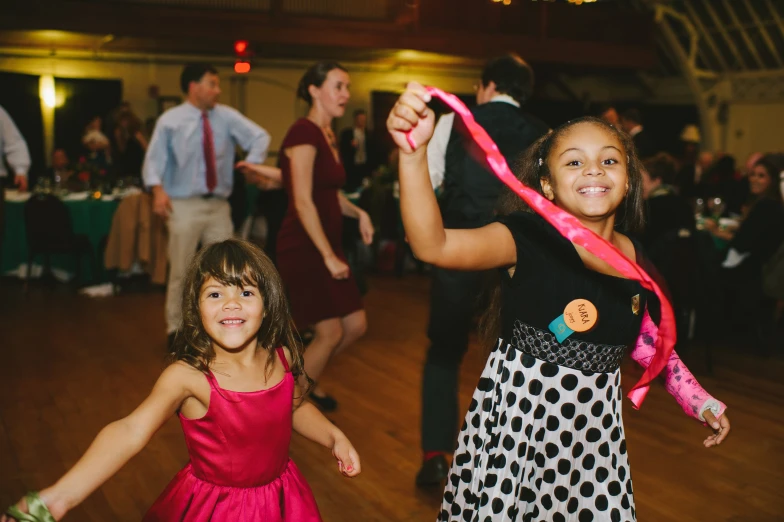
pixel 540 442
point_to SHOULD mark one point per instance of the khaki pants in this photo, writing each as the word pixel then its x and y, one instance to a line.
pixel 191 222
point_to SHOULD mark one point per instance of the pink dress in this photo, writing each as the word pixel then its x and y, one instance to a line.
pixel 239 468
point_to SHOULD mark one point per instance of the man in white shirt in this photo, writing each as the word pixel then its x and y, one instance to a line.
pixel 13 148
pixel 189 167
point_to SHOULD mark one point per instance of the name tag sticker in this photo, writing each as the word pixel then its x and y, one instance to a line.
pixel 579 316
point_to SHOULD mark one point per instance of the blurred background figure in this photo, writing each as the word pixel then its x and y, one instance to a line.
pixel 631 122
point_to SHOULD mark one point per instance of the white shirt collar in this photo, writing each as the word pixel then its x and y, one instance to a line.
pixel 505 98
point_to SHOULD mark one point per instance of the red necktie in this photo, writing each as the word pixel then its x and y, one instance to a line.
pixel 209 153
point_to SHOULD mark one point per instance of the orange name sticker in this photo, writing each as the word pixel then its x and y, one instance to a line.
pixel 580 315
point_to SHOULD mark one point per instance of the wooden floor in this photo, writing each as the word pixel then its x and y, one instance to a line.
pixel 71 364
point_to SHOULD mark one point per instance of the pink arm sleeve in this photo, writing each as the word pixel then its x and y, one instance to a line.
pixel 679 381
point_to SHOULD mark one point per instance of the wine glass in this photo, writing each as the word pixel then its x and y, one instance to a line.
pixel 699 207
pixel 717 207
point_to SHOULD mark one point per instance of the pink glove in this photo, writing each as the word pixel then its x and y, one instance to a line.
pixel 679 381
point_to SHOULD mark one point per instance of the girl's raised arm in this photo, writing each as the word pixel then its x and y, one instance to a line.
pixel 491 246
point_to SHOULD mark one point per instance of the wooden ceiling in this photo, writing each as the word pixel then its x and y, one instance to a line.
pixel 444 32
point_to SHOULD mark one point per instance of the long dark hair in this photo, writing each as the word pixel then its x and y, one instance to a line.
pixel 531 168
pixel 315 75
pixel 769 163
pixel 236 263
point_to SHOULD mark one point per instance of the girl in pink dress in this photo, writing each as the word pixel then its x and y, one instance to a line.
pixel 233 385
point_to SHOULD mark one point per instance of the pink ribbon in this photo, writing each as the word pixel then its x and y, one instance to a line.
pixel 571 228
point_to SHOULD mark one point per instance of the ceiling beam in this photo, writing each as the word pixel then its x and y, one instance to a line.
pixel 690 73
pixel 730 43
pixel 706 36
pixel 775 15
pixel 745 35
pixel 765 34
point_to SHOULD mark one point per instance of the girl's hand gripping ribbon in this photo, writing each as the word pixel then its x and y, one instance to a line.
pixel 571 228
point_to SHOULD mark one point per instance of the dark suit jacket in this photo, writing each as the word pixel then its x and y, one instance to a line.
pixel 645 145
pixel 356 173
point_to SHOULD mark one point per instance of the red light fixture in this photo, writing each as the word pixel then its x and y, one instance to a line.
pixel 241 47
pixel 241 67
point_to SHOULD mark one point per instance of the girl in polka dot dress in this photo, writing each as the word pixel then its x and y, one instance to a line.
pixel 543 438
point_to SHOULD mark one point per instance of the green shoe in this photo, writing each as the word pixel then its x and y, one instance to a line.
pixel 36 508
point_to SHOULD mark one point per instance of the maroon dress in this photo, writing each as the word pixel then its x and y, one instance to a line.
pixel 313 293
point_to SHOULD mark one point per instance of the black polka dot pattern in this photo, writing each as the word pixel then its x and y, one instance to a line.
pixel 540 442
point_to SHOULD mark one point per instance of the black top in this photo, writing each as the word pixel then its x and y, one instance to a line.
pixel 550 274
pixel 760 234
pixel 470 189
pixel 644 144
pixel 129 162
pixel 665 213
pixel 356 173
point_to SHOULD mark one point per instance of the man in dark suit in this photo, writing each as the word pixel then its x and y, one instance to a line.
pixel 468 200
pixel 357 152
pixel 631 121
pixel 359 156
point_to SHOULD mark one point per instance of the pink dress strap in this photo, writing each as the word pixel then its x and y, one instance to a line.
pixel 282 355
pixel 211 379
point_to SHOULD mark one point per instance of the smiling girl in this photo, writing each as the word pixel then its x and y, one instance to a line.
pixel 543 438
pixel 233 386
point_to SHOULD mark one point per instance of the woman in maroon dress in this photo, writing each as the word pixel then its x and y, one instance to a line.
pixel 322 291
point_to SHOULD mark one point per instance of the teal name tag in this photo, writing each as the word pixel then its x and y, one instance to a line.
pixel 559 329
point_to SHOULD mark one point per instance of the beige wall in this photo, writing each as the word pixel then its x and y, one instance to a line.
pixel 754 127
pixel 269 92
pixel 269 97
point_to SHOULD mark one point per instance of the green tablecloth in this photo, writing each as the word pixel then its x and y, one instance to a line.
pixel 90 217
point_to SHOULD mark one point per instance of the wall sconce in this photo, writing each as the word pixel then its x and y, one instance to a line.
pixel 48 94
pixel 46 91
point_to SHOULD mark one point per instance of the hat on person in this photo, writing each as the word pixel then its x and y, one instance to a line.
pixel 691 134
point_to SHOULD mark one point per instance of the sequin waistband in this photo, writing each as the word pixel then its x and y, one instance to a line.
pixel 572 353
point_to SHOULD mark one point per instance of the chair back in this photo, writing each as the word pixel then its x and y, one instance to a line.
pixel 676 256
pixel 48 224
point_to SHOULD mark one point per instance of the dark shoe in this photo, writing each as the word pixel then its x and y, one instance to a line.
pixel 326 403
pixel 433 472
